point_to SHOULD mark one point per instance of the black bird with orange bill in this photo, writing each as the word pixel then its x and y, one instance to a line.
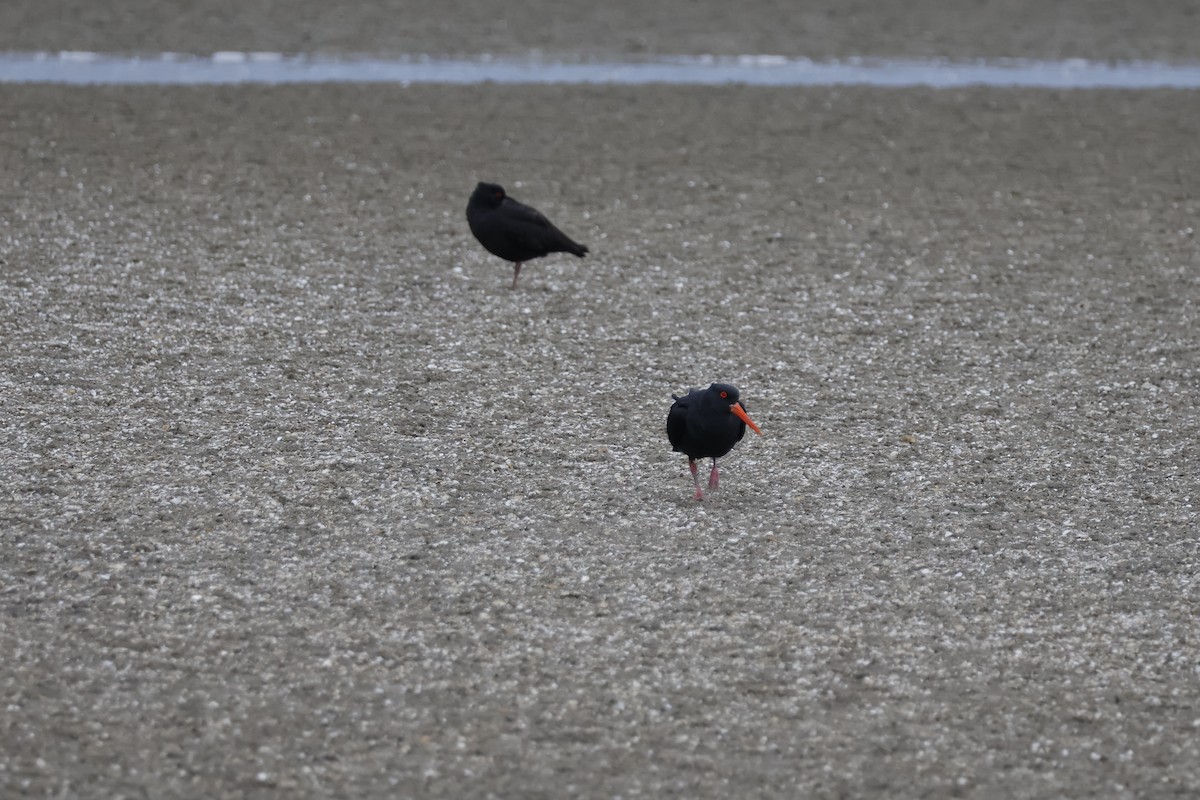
pixel 707 423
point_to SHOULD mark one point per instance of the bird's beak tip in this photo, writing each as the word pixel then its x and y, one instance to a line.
pixel 741 414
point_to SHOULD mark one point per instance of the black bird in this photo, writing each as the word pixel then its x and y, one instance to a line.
pixel 514 231
pixel 707 423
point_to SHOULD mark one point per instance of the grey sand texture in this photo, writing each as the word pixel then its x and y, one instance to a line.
pixel 300 499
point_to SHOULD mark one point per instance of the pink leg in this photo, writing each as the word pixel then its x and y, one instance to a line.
pixel 516 273
pixel 695 479
pixel 714 480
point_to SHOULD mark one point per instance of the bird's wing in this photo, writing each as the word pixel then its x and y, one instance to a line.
pixel 530 228
pixel 523 214
pixel 677 422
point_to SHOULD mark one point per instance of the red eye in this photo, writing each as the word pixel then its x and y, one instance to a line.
pixel 724 394
pixel 499 194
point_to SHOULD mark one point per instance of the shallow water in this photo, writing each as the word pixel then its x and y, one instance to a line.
pixel 757 70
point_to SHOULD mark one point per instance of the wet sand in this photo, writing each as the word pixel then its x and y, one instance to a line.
pixel 300 499
pixel 1094 29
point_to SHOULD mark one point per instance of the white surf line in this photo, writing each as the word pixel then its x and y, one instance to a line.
pixel 85 68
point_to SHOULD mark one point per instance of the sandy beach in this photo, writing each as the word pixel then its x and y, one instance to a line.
pixel 820 29
pixel 302 501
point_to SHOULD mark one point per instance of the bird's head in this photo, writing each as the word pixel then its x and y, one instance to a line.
pixel 488 195
pixel 727 395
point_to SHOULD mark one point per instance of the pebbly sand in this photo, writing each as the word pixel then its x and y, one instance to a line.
pixel 1096 29
pixel 301 500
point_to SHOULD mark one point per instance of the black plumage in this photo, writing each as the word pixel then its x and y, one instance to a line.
pixel 707 423
pixel 514 231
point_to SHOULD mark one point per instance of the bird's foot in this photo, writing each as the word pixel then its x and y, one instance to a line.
pixel 699 495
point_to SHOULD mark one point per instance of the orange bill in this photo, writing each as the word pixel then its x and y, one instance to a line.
pixel 741 414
